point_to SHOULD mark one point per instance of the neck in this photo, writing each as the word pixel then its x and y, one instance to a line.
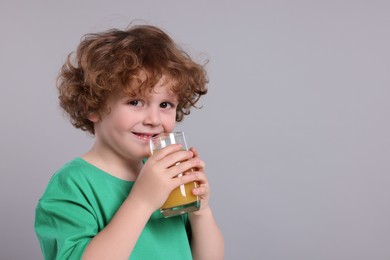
pixel 114 165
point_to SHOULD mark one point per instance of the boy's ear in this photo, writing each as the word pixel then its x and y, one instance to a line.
pixel 94 118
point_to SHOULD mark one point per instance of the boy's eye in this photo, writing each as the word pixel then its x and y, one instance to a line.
pixel 135 103
pixel 167 105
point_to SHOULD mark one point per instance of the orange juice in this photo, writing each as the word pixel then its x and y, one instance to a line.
pixel 181 195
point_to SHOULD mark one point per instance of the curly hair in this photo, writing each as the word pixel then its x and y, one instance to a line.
pixel 118 60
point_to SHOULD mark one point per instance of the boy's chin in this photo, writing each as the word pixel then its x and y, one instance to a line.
pixel 145 154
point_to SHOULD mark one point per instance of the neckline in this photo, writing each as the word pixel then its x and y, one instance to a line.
pixel 102 172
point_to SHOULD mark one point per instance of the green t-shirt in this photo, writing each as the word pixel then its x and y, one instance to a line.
pixel 80 201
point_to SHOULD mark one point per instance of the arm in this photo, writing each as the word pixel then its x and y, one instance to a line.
pixel 207 241
pixel 118 238
pixel 152 187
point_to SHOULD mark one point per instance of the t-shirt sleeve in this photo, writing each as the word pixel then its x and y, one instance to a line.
pixel 64 222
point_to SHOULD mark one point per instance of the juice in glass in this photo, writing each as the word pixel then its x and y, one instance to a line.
pixel 181 200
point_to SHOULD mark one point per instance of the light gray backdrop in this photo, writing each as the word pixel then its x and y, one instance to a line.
pixel 295 129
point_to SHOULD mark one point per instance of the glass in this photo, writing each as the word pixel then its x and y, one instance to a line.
pixel 181 200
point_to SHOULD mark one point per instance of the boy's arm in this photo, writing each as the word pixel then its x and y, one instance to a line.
pixel 207 242
pixel 118 238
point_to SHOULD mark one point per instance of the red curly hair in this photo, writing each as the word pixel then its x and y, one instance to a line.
pixel 118 60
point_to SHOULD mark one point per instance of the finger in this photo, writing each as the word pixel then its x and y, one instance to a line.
pixel 184 167
pixel 177 158
pixel 195 151
pixel 172 155
pixel 202 178
pixel 201 191
pixel 164 152
pixel 202 165
pixel 189 177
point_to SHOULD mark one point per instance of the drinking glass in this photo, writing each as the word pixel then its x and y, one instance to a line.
pixel 181 200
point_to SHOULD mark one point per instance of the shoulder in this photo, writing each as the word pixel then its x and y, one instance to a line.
pixel 73 177
pixel 77 169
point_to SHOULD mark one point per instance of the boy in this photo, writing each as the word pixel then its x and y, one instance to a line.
pixel 125 87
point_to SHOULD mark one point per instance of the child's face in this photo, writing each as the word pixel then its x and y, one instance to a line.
pixel 125 131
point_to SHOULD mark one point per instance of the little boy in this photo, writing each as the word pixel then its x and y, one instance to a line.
pixel 125 87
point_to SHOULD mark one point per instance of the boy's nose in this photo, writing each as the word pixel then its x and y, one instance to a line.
pixel 152 117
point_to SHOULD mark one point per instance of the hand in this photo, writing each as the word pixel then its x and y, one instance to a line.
pixel 157 177
pixel 203 191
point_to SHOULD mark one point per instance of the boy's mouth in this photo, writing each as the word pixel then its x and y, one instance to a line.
pixel 144 136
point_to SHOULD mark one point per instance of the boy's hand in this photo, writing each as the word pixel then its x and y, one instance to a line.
pixel 158 176
pixel 203 191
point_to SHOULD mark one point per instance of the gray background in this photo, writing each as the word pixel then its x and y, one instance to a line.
pixel 295 129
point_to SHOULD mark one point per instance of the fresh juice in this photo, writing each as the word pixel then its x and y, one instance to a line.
pixel 182 195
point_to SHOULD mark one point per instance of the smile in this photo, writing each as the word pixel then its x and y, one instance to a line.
pixel 143 136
